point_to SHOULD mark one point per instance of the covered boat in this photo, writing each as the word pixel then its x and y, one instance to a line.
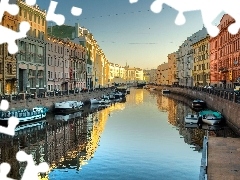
pixel 210 117
pixel 198 104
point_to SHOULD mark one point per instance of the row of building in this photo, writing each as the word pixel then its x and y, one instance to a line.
pixel 44 62
pixel 203 60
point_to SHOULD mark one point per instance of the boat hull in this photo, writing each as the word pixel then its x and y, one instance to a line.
pixel 198 104
pixel 191 119
pixel 165 91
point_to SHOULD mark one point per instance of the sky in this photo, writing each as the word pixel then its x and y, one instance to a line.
pixel 131 33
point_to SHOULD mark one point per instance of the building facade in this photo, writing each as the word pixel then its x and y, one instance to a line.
pixel 225 56
pixel 172 66
pixel 31 68
pixel 201 65
pixel 163 71
pixel 185 58
pixel 8 62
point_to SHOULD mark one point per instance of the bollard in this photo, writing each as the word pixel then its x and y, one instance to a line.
pixel 234 97
pixel 35 95
pixel 45 94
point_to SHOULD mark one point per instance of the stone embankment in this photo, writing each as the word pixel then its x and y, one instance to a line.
pixel 229 108
pixel 49 101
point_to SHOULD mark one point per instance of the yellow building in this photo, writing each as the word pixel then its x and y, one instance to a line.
pixel 201 66
pixel 162 74
pixel 8 75
pixel 172 68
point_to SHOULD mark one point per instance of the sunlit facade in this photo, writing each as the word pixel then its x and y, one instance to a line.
pixel 172 68
pixel 201 65
pixel 162 74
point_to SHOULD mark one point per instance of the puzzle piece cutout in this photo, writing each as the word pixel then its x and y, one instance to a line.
pixel 210 9
pixel 31 171
pixel 13 9
pixel 4 170
pixel 59 19
pixel 12 121
pixel 9 36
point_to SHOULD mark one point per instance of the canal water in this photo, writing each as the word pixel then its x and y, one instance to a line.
pixel 143 137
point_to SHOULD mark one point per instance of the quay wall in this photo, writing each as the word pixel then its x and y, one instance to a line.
pixel 229 109
pixel 50 100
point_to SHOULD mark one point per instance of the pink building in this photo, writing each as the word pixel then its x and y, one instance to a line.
pixel 225 55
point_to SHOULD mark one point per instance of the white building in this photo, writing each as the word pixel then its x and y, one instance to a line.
pixel 185 58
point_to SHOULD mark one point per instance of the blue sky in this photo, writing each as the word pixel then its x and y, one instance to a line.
pixel 131 33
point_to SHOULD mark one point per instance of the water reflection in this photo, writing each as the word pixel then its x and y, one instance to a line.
pixel 191 133
pixel 65 141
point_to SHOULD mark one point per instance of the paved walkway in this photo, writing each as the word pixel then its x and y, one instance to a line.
pixel 223 158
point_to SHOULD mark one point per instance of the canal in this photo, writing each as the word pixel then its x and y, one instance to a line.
pixel 142 138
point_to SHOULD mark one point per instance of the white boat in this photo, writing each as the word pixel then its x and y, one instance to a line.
pixel 66 117
pixel 94 101
pixel 24 115
pixel 211 117
pixel 118 95
pixel 165 91
pixel 152 89
pixel 105 101
pixel 66 105
pixel 105 97
pixel 111 96
pixel 191 119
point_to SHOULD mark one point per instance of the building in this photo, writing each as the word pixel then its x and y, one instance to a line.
pixel 201 64
pixel 172 68
pixel 163 71
pixel 31 68
pixel 150 76
pixel 133 75
pixel 224 55
pixel 8 62
pixel 185 58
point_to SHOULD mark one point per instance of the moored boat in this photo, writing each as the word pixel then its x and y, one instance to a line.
pixel 198 104
pixel 24 115
pixel 165 91
pixel 191 119
pixel 68 105
pixel 94 101
pixel 210 117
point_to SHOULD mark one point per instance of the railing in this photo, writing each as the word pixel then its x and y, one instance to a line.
pixel 204 160
pixel 227 94
pixel 23 96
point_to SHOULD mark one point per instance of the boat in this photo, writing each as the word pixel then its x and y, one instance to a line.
pixel 68 105
pixel 94 101
pixel 128 90
pixel 118 95
pixel 24 115
pixel 198 104
pixel 104 101
pixel 30 127
pixel 165 91
pixel 191 119
pixel 140 85
pixel 66 117
pixel 210 117
pixel 152 89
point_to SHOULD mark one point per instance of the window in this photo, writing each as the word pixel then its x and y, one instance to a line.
pixel 9 68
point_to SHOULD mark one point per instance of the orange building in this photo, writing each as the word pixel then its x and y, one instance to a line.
pixel 8 61
pixel 225 55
